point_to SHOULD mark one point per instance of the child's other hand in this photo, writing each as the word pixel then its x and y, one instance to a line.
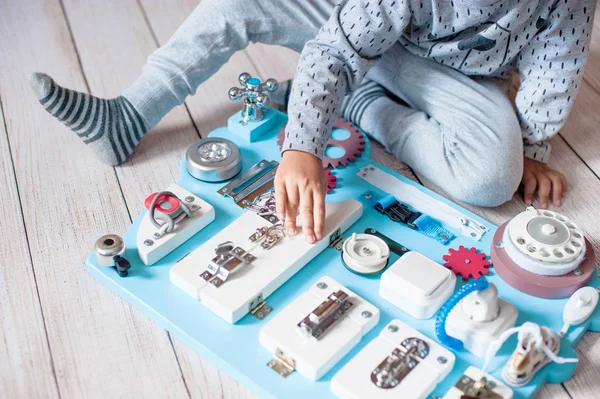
pixel 539 176
pixel 300 185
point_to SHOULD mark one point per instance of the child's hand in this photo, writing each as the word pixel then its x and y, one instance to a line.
pixel 300 184
pixel 537 175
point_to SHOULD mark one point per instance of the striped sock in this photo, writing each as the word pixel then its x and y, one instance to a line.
pixel 358 101
pixel 112 128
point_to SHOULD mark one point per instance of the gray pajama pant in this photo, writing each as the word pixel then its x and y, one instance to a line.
pixel 460 133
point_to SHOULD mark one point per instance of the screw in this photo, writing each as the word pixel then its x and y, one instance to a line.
pixel 271 363
pixel 577 272
pixel 499 244
pixel 436 397
pixel 189 199
pixel 260 315
pixel 225 189
pixel 442 360
pixel 393 328
pixel 367 196
pixel 272 219
pixel 371 168
pixel 148 243
pixel 245 202
pixel 366 314
pixel 214 282
pixel 444 236
pixel 321 285
pixel 465 380
pixel 467 261
pixel 156 235
pixel 473 235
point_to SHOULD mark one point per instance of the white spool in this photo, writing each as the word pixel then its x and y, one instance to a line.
pixel 365 253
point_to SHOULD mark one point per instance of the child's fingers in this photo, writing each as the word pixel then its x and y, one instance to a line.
pixel 529 185
pixel 306 210
pixel 545 185
pixel 557 188
pixel 291 208
pixel 319 213
pixel 280 200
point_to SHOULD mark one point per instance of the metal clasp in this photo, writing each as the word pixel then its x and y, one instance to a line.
pixel 326 314
pixel 393 369
pixel 226 260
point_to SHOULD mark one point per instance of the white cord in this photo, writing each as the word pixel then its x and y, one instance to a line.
pixel 539 342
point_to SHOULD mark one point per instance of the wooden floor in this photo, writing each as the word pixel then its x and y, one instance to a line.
pixel 61 333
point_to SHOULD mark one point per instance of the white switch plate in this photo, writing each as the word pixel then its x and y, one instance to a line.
pixel 475 374
pixel 417 285
pixel 273 267
pixel 184 230
pixel 313 358
pixel 353 381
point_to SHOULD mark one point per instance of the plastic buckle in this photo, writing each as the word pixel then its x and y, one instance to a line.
pixel 398 212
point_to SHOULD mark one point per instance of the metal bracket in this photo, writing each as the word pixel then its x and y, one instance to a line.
pixel 336 240
pixel 259 308
pixel 395 247
pixel 393 369
pixel 226 260
pixel 481 389
pixel 326 314
pixel 283 364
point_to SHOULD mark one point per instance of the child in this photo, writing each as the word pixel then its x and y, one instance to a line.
pixel 426 78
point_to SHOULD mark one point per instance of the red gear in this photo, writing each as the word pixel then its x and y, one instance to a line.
pixel 467 262
pixel 353 146
pixel 331 184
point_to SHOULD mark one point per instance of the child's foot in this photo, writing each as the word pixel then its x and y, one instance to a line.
pixel 112 128
pixel 356 103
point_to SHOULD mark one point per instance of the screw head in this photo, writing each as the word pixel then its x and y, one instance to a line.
pixel 393 328
pixel 436 396
pixel 499 244
pixel 148 243
pixel 442 360
pixel 577 272
pixel 366 314
pixel 444 236
pixel 321 285
pixel 367 196
pixel 156 235
pixel 225 189
pixel 189 199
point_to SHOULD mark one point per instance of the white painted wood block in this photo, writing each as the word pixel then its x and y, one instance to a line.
pixel 353 381
pixel 313 358
pixel 202 215
pixel 272 267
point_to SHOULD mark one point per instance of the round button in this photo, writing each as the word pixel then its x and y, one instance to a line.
pixel 548 229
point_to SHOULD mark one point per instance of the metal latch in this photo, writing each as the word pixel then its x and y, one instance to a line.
pixel 226 260
pixel 336 240
pixel 256 181
pixel 259 308
pixel 326 314
pixel 283 364
pixel 393 369
pixel 396 211
pixel 269 236
pixel 481 389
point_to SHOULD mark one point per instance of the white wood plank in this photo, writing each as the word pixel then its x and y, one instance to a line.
pixel 99 347
pixel 24 348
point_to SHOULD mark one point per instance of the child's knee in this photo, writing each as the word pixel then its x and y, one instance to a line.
pixel 492 183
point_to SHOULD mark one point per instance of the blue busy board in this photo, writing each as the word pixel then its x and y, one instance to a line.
pixel 236 349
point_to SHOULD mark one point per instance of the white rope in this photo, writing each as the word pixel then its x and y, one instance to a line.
pixel 539 342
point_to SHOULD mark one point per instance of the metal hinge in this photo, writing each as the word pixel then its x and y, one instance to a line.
pixel 259 308
pixel 336 240
pixel 283 364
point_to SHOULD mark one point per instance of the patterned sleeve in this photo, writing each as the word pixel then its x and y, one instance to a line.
pixel 335 62
pixel 551 69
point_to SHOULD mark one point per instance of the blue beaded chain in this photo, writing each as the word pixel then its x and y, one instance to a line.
pixel 440 322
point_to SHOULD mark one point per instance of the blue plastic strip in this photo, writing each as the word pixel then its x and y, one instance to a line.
pixel 440 322
pixel 386 201
pixel 432 228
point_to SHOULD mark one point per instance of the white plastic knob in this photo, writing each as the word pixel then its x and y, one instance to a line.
pixel 482 305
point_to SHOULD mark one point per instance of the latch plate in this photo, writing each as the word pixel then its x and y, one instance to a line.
pixel 394 368
pixel 326 314
pixel 224 263
pixel 480 389
pixel 283 364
